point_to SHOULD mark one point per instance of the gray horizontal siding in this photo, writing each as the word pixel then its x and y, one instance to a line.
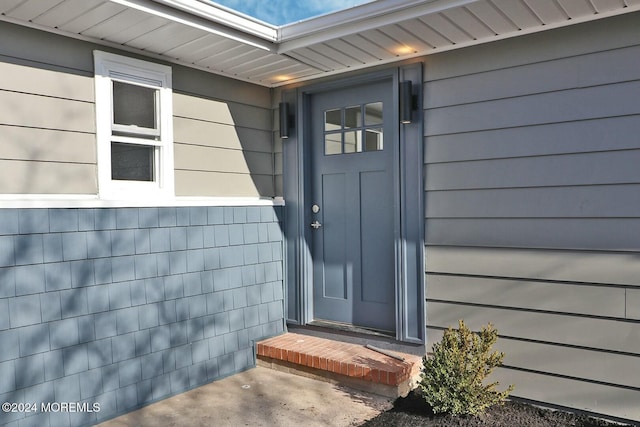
pixel 219 184
pixel 37 128
pixel 602 134
pixel 595 366
pixel 221 127
pixel 550 352
pixel 277 143
pixel 215 110
pixel 222 148
pixel 47 120
pixel 220 135
pixel 46 145
pixel 537 171
pixel 54 83
pixel 553 328
pixel 219 153
pixel 617 234
pixel 571 298
pixel 594 201
pixel 586 70
pixel 531 211
pixel 196 157
pixel 550 107
pixel 600 267
pixel 36 111
pixel 632 308
pixel 33 177
pixel 598 398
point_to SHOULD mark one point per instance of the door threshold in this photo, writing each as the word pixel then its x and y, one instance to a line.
pixel 348 327
pixel 337 331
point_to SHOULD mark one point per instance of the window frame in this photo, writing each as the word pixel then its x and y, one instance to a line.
pixel 360 130
pixel 111 67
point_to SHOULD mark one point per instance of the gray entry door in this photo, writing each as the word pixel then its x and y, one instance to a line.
pixel 352 205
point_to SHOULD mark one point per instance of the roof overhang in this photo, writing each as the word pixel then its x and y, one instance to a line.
pixel 200 34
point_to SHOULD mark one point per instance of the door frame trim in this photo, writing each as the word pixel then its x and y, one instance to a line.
pixel 408 228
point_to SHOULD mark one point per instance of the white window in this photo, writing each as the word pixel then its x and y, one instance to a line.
pixel 134 127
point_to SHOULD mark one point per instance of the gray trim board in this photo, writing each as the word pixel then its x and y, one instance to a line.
pixel 412 227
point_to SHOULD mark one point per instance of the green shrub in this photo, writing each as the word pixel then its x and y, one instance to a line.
pixel 452 379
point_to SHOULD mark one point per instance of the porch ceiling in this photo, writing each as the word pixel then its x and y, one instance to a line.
pixel 199 34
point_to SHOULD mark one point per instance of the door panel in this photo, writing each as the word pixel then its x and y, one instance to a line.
pixel 376 242
pixel 353 138
pixel 335 243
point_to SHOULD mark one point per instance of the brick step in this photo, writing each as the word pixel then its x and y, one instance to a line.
pixel 350 364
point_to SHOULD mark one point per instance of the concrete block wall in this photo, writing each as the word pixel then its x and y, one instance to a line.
pixel 125 306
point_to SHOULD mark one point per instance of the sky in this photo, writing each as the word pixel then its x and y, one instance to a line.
pixel 280 12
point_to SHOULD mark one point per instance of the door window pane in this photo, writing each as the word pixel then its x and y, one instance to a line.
pixel 351 142
pixel 373 114
pixel 332 120
pixel 333 143
pixel 352 117
pixel 132 162
pixel 373 140
pixel 134 105
pixel 353 129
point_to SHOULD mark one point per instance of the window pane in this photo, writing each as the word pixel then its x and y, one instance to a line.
pixel 373 140
pixel 373 114
pixel 333 143
pixel 132 162
pixel 134 105
pixel 352 117
pixel 351 142
pixel 332 120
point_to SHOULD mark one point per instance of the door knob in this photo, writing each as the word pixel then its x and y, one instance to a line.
pixel 315 224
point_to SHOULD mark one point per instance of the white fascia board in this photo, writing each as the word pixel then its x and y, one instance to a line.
pixel 225 16
pixel 358 19
pixel 162 10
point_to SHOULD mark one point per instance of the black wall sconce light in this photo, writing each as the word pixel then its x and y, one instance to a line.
pixel 407 101
pixel 286 120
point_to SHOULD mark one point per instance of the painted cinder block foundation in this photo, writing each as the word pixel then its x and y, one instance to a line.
pixel 125 306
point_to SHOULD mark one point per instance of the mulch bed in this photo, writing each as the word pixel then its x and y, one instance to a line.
pixel 413 411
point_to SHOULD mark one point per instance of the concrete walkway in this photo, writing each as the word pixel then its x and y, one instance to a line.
pixel 260 397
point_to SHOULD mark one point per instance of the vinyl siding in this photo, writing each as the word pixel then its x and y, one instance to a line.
pixel 47 128
pixel 531 207
pixel 222 150
pixel 278 149
pixel 222 128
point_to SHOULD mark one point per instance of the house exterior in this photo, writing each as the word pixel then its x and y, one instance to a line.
pixel 178 181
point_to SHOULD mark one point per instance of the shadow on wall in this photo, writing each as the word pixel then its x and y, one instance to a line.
pixel 223 130
pixel 112 315
pixel 47 135
pixel 74 325
pixel 224 137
